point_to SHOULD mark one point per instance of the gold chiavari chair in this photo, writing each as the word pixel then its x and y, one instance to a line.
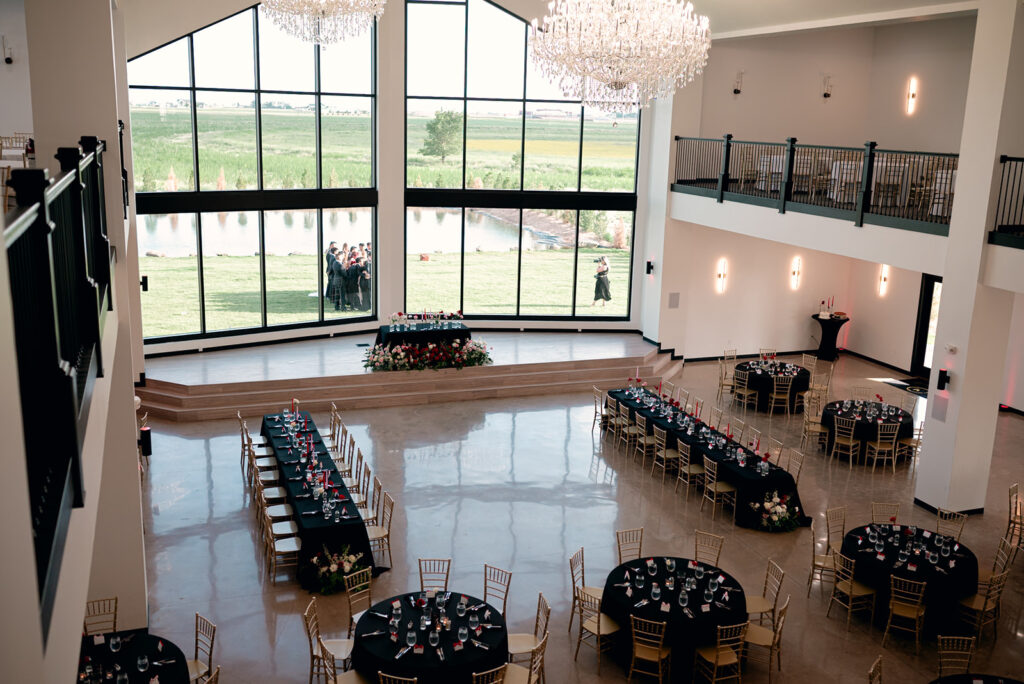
pixel 725 379
pixel 741 392
pixel 821 379
pixel 600 415
pixel 615 421
pixel 848 592
pixel 823 566
pixel 729 357
pixel 884 513
pixel 522 644
pixel 684 399
pixel 906 609
pixel 875 673
pixel 595 627
pixel 664 457
pixel 627 433
pixel 495 676
pixel 370 510
pixel 352 483
pixel 950 523
pixel 722 661
pixel 281 517
pixel 767 351
pixel 761 642
pixel 383 678
pixel 909 403
pixel 578 574
pixel 835 519
pixel 668 389
pixel 768 601
pixel 687 473
pixel 202 657
pixel 752 438
pixel 1015 518
pixel 910 447
pixel 795 464
pixel 714 491
pixel 955 654
pixel 774 451
pixel 738 427
pixel 100 616
pixel 359 593
pixel 214 678
pixel 813 430
pixel 517 674
pixel 1001 561
pixel 434 573
pixel 361 497
pixel 496 583
pixel 650 655
pixel 630 543
pixel 380 534
pixel 982 609
pixel 884 447
pixel 809 361
pixel 862 393
pixel 779 396
pixel 716 418
pixel 281 553
pixel 843 441
pixel 707 547
pixel 323 654
pixel 644 444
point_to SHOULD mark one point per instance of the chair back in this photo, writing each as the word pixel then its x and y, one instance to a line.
pixel 434 573
pixel 774 451
pixel 641 424
pixel 887 433
pixel 387 511
pixel 311 619
pixel 729 356
pixel 698 407
pixel 955 654
pixel 739 379
pixel 496 582
pixel 647 633
pixel 598 402
pixel 100 616
pixel 684 455
pixel 795 464
pixel 844 427
pixel 495 676
pixel 668 389
pixel 710 474
pixel 780 622
pixel 994 592
pixel 589 606
pixel 577 571
pixel 904 592
pixel 909 403
pixel 875 673
pixel 767 351
pixel 206 631
pixel 950 523
pixel 844 568
pixel 540 625
pixel 884 513
pixel 729 643
pixel 809 361
pixel 1004 555
pixel 377 489
pixel 752 437
pixel 738 427
pixel 383 678
pixel 716 418
pixel 358 590
pixel 624 414
pixel 660 441
pixel 537 659
pixel 773 577
pixel 630 543
pixel 684 398
pixel 863 393
pixel 781 384
pixel 836 520
pixel 707 547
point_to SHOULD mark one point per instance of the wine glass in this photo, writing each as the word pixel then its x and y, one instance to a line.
pixel 410 637
pixel 713 584
pixel 670 565
pixel 396 612
pixel 433 638
pixel 655 591
pixel 699 572
pixel 463 633
pixel 142 663
pixel 122 677
pixel 115 643
pixel 708 596
pixel 684 598
pixel 945 551
pixel 903 555
pixel 460 609
pixel 639 581
pixel 652 569
pixel 474 620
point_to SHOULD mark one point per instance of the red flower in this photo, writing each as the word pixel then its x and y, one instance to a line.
pixel 893 520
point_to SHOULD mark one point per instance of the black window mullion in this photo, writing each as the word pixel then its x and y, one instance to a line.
pixel 579 169
pixel 465 92
pixel 320 264
pixel 575 263
pixel 319 151
pixel 258 100
pixel 263 269
pixel 199 266
pixel 195 118
pixel 519 266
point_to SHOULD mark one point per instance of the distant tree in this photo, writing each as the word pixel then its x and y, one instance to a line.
pixel 222 182
pixel 243 218
pixel 444 135
pixel 304 179
pixel 332 180
pixel 143 179
pixel 439 180
pixel 240 182
pixel 308 218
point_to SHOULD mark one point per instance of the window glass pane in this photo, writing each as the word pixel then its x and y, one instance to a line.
pixel 434 143
pixel 494 139
pixel 347 67
pixel 552 146
pixel 289 141
pixel 609 152
pixel 167 256
pixel 539 86
pixel 433 255
pixel 346 135
pixel 231 269
pixel 166 66
pixel 545 286
pixel 223 53
pixel 293 265
pixel 608 235
pixel 491 261
pixel 351 292
pixel 286 63
pixel 161 140
pixel 496 45
pixel 436 51
pixel 227 140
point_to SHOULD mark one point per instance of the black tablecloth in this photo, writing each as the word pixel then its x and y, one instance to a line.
pixel 829 332
pixel 422 334
pixel 685 631
pixel 764 382
pixel 945 585
pixel 372 654
pixel 135 643
pixel 975 679
pixel 751 486
pixel 314 531
pixel 865 429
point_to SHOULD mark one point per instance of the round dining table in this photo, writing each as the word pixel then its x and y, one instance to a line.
pixel 865 428
pixel 380 639
pixel 629 591
pixel 163 658
pixel 972 678
pixel 761 378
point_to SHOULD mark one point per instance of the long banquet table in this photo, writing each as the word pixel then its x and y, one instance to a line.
pixel 422 334
pixel 751 486
pixel 314 531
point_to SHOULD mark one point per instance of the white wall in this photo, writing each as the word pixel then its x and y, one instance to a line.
pixel 1013 391
pixel 15 94
pixel 151 23
pixel 882 327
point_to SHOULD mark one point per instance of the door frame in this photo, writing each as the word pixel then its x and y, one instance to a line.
pixel 924 308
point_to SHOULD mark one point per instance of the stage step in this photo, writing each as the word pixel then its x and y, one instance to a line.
pixel 180 402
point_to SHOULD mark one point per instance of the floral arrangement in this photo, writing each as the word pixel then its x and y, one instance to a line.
pixel 879 398
pixel 456 354
pixel 776 514
pixel 400 318
pixel 329 569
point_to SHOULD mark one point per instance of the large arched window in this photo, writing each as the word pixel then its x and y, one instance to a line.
pixel 513 192
pixel 252 152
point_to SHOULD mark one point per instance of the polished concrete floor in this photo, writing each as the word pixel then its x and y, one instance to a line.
pixel 522 483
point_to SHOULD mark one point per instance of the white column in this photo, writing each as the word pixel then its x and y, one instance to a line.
pixel 974 319
pixel 652 212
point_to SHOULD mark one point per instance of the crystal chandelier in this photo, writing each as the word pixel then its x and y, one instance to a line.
pixel 323 21
pixel 614 54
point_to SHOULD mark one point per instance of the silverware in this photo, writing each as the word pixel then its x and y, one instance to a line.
pixel 377 633
pixel 403 652
pixel 440 654
pixel 380 615
pixel 480 644
pixel 641 603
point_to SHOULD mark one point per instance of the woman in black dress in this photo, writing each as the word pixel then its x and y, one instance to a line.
pixel 364 284
pixel 335 287
pixel 602 290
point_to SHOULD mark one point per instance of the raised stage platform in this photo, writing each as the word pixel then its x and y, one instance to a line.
pixel 259 379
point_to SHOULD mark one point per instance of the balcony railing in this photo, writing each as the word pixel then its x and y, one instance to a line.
pixel 1009 228
pixel 912 190
pixel 59 261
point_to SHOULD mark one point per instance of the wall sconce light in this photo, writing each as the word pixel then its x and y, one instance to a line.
pixel 8 52
pixel 723 272
pixel 737 86
pixel 794 273
pixel 883 280
pixel 912 95
pixel 650 267
pixel 826 86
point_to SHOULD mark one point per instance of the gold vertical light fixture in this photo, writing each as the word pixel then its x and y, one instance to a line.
pixel 794 273
pixel 883 280
pixel 911 95
pixel 722 274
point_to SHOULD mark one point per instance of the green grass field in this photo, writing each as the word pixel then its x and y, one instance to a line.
pixel 171 306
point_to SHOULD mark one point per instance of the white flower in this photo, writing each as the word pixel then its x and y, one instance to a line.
pixel 334 567
pixel 775 499
pixel 775 518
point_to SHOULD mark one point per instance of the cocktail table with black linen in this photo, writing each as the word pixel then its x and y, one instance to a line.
pixel 374 650
pixel 687 627
pixel 162 658
pixel 315 530
pixel 975 679
pixel 422 334
pixel 761 378
pixel 952 577
pixel 866 414
pixel 753 483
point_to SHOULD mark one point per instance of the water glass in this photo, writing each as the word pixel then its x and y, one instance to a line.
pixel 652 569
pixel 903 555
pixel 122 677
pixel 879 546
pixel 655 591
pixel 410 637
pixel 708 596
pixel 115 643
pixel 713 584
pixel 423 621
pixel 142 663
pixel 460 609
pixel 933 557
pixel 433 639
pixel 699 572
pixel 463 633
pixel 396 613
pixel 639 581
pixel 945 551
pixel 474 620
pixel 670 565
pixel 684 598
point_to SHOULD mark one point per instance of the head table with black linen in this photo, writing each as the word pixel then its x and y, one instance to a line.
pixel 422 334
pixel 753 483
pixel 162 658
pixel 315 531
pixel 761 378
pixel 953 575
pixel 972 678
pixel 451 661
pixel 867 415
pixel 630 590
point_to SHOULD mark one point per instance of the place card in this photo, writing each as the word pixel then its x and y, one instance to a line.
pixel 880 556
pixel 721 578
pixel 394 637
pixel 418 649
pixel 629 591
pixel 98 640
pixel 706 607
pixel 479 630
pixel 487 614
pixel 396 604
pixel 458 646
pixel 926 534
pixel 952 563
pixel 912 567
pixel 665 607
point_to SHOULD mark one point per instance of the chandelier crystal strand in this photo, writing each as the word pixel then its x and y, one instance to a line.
pixel 323 21
pixel 615 54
